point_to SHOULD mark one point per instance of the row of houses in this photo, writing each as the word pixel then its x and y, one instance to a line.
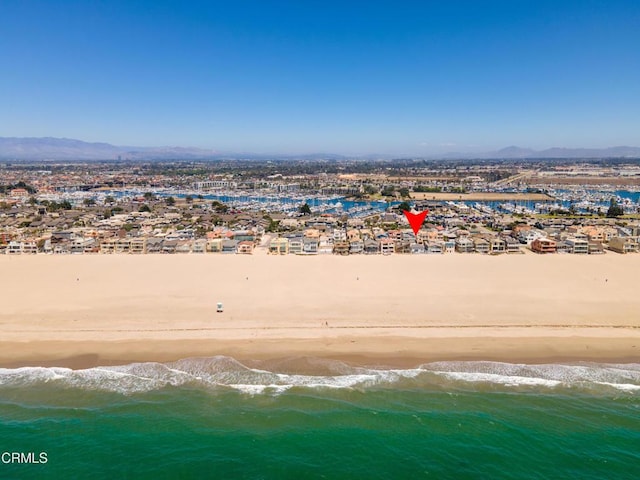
pixel 244 243
pixel 388 245
pixel 138 245
pixel 581 246
pixel 102 240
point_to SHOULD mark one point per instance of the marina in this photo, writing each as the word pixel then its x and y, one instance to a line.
pixel 579 200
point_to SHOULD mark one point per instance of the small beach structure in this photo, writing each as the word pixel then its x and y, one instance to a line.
pixel 219 307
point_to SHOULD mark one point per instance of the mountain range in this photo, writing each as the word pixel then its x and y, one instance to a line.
pixel 49 148
pixel 561 152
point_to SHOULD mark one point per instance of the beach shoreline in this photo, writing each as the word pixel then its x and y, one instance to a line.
pixel 393 352
pixel 399 311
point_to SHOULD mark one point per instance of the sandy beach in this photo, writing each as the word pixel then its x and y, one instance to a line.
pixel 85 310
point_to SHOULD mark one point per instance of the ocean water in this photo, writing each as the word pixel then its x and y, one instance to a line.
pixel 312 418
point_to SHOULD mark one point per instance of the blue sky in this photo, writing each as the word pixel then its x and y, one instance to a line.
pixel 355 77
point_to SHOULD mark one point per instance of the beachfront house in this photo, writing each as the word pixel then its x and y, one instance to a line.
pixel 310 246
pixel 83 245
pixel 595 248
pixel 229 246
pixel 387 246
pixel 481 245
pixel 137 245
pixel 449 246
pixel 464 245
pixel 422 236
pixel 154 245
pixel 279 246
pixel 434 246
pixel 199 246
pixel 325 246
pixel 169 246
pixel 578 246
pixel 371 247
pixel 296 244
pixel 512 245
pixel 623 245
pixel 245 247
pixel 107 245
pixel 341 247
pixel 215 245
pixel 183 246
pixel 356 247
pixel 123 245
pixel 48 248
pixel 417 248
pixel 543 245
pixel 61 249
pixel 402 246
pixel 29 247
pixel 76 247
pixel 14 248
pixel 497 245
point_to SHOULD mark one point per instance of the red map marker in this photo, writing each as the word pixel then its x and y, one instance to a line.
pixel 415 219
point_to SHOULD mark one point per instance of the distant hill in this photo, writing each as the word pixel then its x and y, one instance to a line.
pixel 514 153
pixel 556 152
pixel 590 152
pixel 48 148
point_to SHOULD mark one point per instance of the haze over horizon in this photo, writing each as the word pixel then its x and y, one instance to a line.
pixel 423 78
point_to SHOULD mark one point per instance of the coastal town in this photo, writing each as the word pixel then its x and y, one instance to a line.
pixel 306 208
pixel 332 239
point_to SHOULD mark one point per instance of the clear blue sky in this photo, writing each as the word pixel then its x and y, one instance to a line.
pixel 311 76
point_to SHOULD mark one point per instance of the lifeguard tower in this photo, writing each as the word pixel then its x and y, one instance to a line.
pixel 219 307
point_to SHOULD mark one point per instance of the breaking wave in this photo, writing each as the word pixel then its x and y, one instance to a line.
pixel 227 373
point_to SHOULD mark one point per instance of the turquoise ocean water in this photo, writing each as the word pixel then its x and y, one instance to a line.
pixel 312 418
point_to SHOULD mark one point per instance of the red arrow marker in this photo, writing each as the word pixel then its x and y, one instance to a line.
pixel 415 219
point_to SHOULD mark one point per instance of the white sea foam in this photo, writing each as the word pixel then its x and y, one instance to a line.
pixel 566 375
pixel 627 387
pixel 507 380
pixel 228 373
pixel 260 389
